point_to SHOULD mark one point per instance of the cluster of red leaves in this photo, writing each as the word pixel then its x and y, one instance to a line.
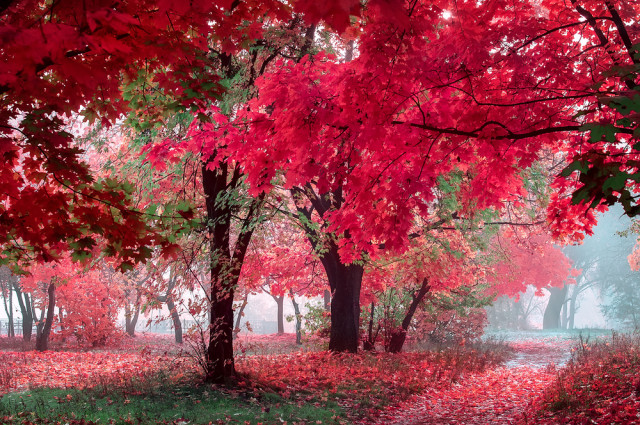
pixel 361 383
pixel 600 384
pixel 33 369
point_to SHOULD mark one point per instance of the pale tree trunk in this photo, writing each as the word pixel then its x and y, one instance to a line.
pixel 280 303
pixel 12 330
pixel 42 341
pixel 40 321
pixel 551 318
pixel 8 308
pixel 173 311
pixel 279 299
pixel 175 317
pixel 245 300
pixel 61 321
pixel 131 315
pixel 573 307
pixel 296 310
pixel 327 300
pixel 7 280
pixel 26 311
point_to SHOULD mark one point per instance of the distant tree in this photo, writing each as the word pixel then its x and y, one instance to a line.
pixel 7 282
pixel 622 300
pixel 622 293
pixel 515 313
pixel 602 261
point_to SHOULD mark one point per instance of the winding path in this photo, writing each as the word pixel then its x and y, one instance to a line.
pixel 497 396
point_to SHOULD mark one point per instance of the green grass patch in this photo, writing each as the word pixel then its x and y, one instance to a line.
pixel 165 405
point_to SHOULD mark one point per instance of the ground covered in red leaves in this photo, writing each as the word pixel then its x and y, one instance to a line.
pixel 548 380
pixel 495 396
pixel 599 385
pixel 26 370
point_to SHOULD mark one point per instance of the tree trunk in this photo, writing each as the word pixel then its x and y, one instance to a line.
pixel 175 317
pixel 280 303
pixel 42 342
pixel 61 322
pixel 226 264
pixel 131 315
pixel 370 343
pixel 220 364
pixel 12 329
pixel 564 315
pixel 26 311
pixel 327 300
pixel 8 308
pixel 399 336
pixel 11 332
pixel 40 321
pixel 551 318
pixel 240 314
pixel 296 310
pixel 345 282
pixel 573 306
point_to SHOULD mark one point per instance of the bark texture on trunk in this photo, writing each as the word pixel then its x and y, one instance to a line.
pixel 42 342
pixel 345 282
pixel 220 363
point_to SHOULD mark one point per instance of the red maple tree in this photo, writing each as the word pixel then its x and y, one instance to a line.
pixel 424 91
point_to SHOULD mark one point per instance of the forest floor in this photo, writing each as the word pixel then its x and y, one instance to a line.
pixel 495 396
pixel 469 384
pixel 502 395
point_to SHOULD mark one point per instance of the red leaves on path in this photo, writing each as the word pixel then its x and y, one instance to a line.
pixel 496 396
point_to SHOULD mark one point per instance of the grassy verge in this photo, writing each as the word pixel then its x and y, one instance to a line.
pixel 600 384
pixel 175 405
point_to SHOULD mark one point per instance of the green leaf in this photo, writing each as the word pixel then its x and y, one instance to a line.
pixel 575 165
pixel 599 130
pixel 615 182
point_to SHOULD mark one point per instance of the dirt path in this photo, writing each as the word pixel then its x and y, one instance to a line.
pixel 497 396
